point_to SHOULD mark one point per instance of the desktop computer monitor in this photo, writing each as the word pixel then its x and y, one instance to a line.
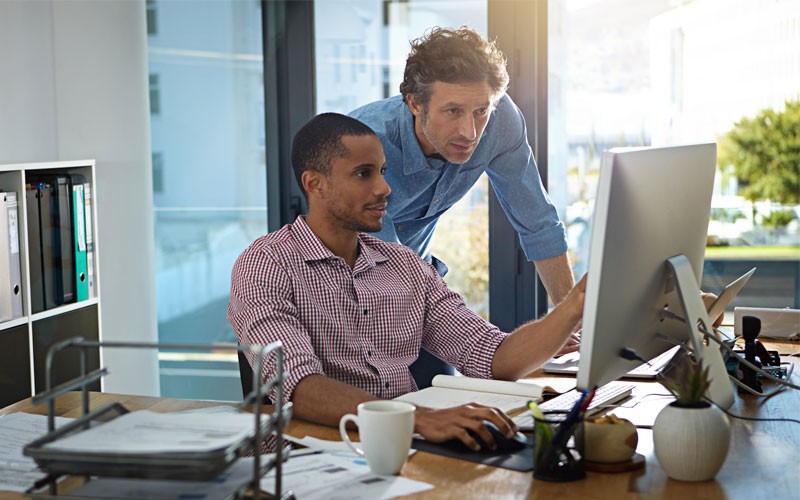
pixel 652 207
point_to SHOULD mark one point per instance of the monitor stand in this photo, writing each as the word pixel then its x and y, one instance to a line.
pixel 720 390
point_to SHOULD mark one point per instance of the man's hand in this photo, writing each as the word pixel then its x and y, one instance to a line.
pixel 573 344
pixel 442 425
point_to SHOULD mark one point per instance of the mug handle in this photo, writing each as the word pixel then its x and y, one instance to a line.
pixel 349 418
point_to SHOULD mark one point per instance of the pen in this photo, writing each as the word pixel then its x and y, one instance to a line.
pixel 588 401
pixel 303 452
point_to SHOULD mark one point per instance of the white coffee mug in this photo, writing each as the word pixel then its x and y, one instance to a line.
pixel 385 428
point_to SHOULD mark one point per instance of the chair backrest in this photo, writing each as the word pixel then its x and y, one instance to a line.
pixel 246 375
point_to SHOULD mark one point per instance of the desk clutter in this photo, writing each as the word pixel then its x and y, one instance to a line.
pixel 110 441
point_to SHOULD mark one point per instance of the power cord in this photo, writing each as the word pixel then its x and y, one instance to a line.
pixel 753 419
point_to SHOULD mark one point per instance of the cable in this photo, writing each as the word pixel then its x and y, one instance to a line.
pixel 753 419
pixel 754 392
pixel 631 355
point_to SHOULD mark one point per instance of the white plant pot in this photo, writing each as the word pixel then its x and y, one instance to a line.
pixel 691 443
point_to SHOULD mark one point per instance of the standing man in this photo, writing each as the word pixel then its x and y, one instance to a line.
pixel 452 122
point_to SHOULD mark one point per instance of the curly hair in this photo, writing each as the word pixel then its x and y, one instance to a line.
pixel 319 142
pixel 452 56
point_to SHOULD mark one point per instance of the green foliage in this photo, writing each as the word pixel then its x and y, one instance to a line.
pixel 462 242
pixel 689 382
pixel 778 218
pixel 764 153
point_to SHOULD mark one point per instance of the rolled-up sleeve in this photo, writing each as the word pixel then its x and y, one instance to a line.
pixel 261 310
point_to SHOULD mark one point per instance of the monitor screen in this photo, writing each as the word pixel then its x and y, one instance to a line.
pixel 652 204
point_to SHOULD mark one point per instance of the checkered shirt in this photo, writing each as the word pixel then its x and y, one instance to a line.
pixel 363 326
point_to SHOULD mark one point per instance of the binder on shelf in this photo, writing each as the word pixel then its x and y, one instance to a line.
pixel 32 195
pixel 65 294
pixel 12 214
pixel 58 252
pixel 7 296
pixel 87 197
pixel 79 238
pixel 49 240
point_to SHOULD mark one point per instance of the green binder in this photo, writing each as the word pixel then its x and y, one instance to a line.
pixel 79 231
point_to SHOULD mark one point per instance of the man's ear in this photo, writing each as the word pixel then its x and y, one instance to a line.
pixel 312 181
pixel 413 105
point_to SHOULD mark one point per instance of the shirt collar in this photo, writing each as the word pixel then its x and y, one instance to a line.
pixel 312 249
pixel 308 244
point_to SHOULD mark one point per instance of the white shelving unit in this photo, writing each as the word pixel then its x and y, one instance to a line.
pixel 24 341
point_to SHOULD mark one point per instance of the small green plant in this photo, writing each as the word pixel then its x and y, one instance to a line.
pixel 689 382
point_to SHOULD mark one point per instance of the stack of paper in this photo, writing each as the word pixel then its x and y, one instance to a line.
pixel 147 432
pixel 18 472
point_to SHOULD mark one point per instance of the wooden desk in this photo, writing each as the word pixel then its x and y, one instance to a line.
pixel 763 462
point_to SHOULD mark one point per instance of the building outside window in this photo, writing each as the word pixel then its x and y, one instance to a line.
pixel 210 204
pixel 659 72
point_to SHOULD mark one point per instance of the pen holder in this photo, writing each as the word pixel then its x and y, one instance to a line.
pixel 558 448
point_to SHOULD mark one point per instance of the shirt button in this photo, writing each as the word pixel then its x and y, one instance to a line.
pixel 369 353
pixel 366 312
pixel 387 385
pixel 436 201
pixel 399 227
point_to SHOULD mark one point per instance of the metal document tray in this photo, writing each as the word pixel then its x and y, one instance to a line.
pixel 196 466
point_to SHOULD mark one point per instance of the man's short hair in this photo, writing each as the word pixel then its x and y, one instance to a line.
pixel 452 56
pixel 319 142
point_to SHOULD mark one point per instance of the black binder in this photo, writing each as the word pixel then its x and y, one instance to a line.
pixel 32 194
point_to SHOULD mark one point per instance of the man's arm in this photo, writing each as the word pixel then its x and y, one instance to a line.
pixel 324 400
pixel 530 345
pixel 556 274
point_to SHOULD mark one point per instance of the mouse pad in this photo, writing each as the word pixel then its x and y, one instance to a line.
pixel 521 460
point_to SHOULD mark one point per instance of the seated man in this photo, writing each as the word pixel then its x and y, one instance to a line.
pixel 352 311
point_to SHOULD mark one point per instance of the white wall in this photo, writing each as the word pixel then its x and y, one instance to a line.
pixel 74 85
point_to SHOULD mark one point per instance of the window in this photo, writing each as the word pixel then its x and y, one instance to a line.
pixel 155 95
pixel 158 172
pixel 361 50
pixel 152 18
pixel 207 85
pixel 659 72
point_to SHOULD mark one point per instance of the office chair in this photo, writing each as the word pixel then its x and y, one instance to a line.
pixel 246 375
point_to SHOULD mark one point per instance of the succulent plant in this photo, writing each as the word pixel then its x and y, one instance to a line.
pixel 689 382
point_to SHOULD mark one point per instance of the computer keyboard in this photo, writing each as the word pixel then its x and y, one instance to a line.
pixel 568 364
pixel 603 397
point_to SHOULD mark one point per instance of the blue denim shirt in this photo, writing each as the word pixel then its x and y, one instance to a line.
pixel 424 188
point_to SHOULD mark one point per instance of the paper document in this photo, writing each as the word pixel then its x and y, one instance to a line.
pixel 143 432
pixel 223 486
pixel 18 472
pixel 449 391
pixel 339 476
pixel 317 444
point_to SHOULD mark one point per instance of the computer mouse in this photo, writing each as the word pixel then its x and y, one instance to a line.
pixel 504 444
